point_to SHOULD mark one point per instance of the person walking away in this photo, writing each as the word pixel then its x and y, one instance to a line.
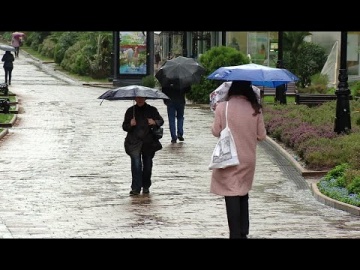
pixel 15 42
pixel 157 59
pixel 8 59
pixel 280 90
pixel 176 110
pixel 245 119
pixel 140 143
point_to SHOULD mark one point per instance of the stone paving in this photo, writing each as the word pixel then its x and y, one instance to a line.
pixel 64 174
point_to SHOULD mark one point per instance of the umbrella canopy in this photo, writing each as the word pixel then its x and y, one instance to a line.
pixel 258 74
pixel 131 91
pixel 18 34
pixel 221 94
pixel 180 72
pixel 7 48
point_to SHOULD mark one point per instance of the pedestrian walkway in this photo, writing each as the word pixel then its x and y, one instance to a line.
pixel 64 174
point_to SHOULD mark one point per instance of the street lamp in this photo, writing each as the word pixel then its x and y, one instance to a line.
pixel 342 119
pixel 116 57
pixel 280 91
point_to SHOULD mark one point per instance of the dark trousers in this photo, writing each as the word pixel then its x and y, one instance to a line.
pixel 280 94
pixel 17 50
pixel 237 210
pixel 141 170
pixel 8 71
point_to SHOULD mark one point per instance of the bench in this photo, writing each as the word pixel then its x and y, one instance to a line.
pixel 314 99
pixel 4 88
pixel 268 91
pixel 4 105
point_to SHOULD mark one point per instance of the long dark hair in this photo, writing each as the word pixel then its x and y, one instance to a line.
pixel 244 88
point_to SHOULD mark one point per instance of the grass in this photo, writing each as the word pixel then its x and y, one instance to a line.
pixel 5 118
pixel 270 99
pixel 36 54
pixel 45 59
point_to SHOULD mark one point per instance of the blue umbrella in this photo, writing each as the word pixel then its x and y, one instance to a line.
pixel 258 75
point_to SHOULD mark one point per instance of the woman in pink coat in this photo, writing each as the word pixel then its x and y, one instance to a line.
pixel 246 123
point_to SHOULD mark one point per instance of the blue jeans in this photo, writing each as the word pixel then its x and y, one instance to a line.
pixel 175 111
pixel 141 169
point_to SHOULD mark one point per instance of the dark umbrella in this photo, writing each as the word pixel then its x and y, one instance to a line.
pixel 131 91
pixel 180 72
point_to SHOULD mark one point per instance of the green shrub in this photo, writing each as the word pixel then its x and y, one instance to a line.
pixel 318 85
pixel 307 61
pixel 149 81
pixel 211 60
pixel 355 88
pixel 354 186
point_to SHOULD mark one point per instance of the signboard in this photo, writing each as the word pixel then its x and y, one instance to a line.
pixel 133 52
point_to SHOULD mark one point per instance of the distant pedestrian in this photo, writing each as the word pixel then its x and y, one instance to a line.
pixel 245 119
pixel 176 110
pixel 280 91
pixel 15 42
pixel 157 59
pixel 140 143
pixel 8 59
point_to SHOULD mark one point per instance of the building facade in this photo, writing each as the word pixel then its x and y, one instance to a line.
pixel 260 47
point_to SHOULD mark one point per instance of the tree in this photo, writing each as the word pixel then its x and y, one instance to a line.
pixel 211 60
pixel 308 61
pixel 301 57
pixel 293 41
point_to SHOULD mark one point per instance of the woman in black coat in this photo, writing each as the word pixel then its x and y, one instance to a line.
pixel 140 143
pixel 8 59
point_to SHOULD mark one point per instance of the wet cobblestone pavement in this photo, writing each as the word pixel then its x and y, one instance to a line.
pixel 64 174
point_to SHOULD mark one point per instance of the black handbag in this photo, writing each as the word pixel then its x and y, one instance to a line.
pixel 132 147
pixel 158 132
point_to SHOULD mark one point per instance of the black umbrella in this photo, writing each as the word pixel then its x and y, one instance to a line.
pixel 131 91
pixel 180 72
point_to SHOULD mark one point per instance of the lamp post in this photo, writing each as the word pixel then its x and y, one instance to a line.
pixel 280 45
pixel 342 119
pixel 116 57
pixel 280 91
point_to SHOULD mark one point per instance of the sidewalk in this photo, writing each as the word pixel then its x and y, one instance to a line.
pixel 64 174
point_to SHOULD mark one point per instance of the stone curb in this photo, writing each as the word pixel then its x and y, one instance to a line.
pixel 304 172
pixel 3 133
pixel 313 186
pixel 333 203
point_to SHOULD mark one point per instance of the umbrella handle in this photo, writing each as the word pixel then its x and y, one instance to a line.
pixel 101 102
pixel 133 109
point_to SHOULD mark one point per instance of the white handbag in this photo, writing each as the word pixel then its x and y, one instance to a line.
pixel 225 153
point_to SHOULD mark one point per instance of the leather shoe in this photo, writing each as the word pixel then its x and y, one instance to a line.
pixel 134 193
